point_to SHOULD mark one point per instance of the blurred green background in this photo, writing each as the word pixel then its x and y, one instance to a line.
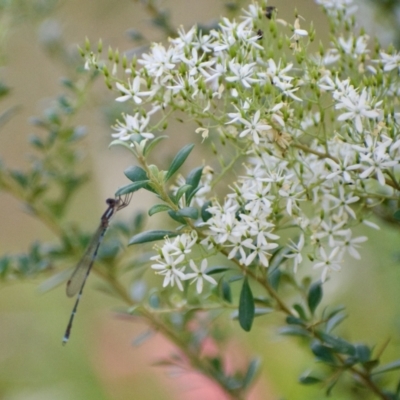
pixel 100 361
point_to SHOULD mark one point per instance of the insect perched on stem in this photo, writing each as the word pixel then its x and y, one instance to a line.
pixel 78 278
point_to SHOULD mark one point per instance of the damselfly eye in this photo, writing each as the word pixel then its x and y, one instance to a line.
pixel 110 202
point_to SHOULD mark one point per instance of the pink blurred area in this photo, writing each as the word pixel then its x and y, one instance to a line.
pixel 119 364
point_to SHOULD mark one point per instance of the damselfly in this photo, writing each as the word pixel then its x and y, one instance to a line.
pixel 78 278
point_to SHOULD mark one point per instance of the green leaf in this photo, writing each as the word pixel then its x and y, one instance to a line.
pixel 323 353
pixel 338 345
pixel 193 179
pixel 158 208
pixel 274 277
pixel 388 367
pixel 251 373
pixel 258 311
pixel 300 310
pixel 363 353
pixel 294 330
pixel 370 365
pixel 246 306
pixel 309 380
pixel 20 177
pixel 122 143
pixel 5 264
pixel 151 236
pixel 226 291
pixel 314 296
pixel 235 278
pixel 143 337
pixel 135 174
pixel 181 191
pixel 294 321
pixel 132 187
pixel 396 215
pixel 205 215
pixel 150 145
pixel 332 383
pixel 216 270
pixel 174 215
pixel 188 212
pixel 334 321
pixel 154 301
pixel 179 159
pixel 278 256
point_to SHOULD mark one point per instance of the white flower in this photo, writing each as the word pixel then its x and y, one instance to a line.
pixel 255 128
pixel 296 252
pixel 195 64
pixel 358 108
pixel 330 230
pixel 351 244
pixel 181 244
pixel 336 7
pixel 298 33
pixel 242 73
pixel 344 168
pixel 376 159
pixel 133 125
pixel 160 61
pixel 355 46
pixel 199 275
pixel 223 224
pixel 390 61
pixel 167 266
pixel 185 39
pixel 276 73
pixel 328 262
pixel 132 92
pixel 260 250
pixel 343 201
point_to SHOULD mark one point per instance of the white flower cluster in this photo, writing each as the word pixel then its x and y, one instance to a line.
pixel 172 259
pixel 321 145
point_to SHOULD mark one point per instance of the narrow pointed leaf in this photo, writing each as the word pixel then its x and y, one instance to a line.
pixel 216 270
pixel 300 311
pixel 205 215
pixel 309 380
pixel 176 217
pixel 150 145
pixel 323 353
pixel 132 187
pixel 274 277
pixel 314 296
pixel 135 173
pixel 334 321
pixel 363 353
pixel 246 306
pixel 120 143
pixel 291 320
pixel 251 373
pixel 226 291
pixel 388 367
pixel 179 159
pixel 337 344
pixel 151 236
pixel 294 330
pixel 158 208
pixel 193 179
pixel 181 191
pixel 189 212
